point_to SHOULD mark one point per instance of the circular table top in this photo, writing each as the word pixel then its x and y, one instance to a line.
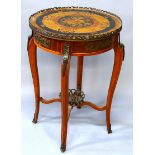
pixel 75 23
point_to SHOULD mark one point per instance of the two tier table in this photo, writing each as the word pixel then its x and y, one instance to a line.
pixel 74 31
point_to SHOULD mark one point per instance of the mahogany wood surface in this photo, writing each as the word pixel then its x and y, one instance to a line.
pixel 49 101
pixel 118 58
pixel 79 72
pixel 64 104
pixel 57 47
pixel 34 70
pixel 92 105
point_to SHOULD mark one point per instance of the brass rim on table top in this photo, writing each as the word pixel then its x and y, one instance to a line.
pixel 68 36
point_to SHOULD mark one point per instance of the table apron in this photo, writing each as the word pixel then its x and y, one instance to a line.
pixel 77 48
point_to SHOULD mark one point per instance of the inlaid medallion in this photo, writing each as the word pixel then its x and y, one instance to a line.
pixel 75 21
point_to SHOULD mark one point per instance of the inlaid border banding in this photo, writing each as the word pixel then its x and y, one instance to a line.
pixel 70 36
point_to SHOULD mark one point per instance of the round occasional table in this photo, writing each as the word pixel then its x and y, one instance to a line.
pixel 74 31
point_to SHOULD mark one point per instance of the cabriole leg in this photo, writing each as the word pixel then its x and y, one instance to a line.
pixel 118 58
pixel 65 67
pixel 32 53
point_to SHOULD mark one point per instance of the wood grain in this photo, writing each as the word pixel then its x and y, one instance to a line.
pixel 32 53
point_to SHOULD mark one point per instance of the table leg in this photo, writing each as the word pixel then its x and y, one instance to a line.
pixel 118 58
pixel 65 67
pixel 79 73
pixel 32 53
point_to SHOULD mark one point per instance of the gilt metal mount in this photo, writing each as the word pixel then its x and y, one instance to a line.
pixel 76 97
pixel 65 58
pixel 123 49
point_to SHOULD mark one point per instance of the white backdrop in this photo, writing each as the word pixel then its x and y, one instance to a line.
pixel 87 133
